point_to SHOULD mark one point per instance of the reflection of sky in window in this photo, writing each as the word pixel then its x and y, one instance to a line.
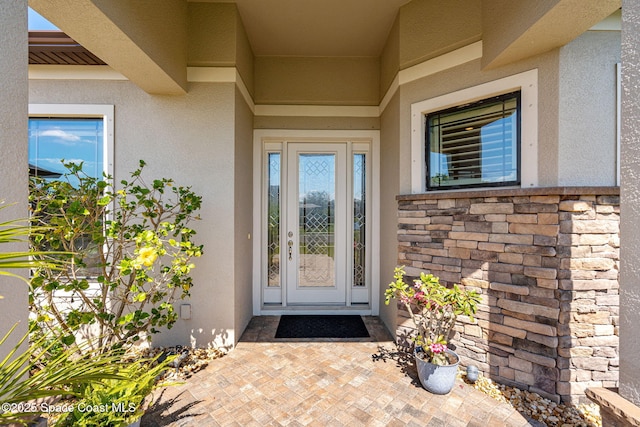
pixel 37 22
pixel 74 140
pixel 498 148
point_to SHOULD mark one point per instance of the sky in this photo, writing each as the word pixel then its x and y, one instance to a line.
pixel 37 22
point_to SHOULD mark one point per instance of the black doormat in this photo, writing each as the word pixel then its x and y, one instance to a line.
pixel 298 326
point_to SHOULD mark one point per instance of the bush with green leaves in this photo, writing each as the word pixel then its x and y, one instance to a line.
pixel 130 255
pixel 31 372
pixel 117 402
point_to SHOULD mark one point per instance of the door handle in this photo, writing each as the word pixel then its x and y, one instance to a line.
pixel 290 244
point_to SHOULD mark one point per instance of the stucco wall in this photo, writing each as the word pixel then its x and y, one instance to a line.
pixel 587 97
pixel 317 81
pixel 630 205
pixel 243 206
pixel 158 28
pixel 389 188
pixel 13 145
pixel 427 29
pixel 190 139
pixel 471 74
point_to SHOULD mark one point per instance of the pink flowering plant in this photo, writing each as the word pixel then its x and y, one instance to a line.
pixel 433 308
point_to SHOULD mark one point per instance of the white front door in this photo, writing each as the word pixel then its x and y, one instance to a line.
pixel 316 226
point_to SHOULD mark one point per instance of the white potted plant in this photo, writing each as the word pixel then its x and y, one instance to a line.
pixel 433 308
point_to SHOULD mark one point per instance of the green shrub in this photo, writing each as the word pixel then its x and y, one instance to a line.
pixel 130 255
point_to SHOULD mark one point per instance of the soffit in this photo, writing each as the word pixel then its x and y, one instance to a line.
pixel 55 47
pixel 317 27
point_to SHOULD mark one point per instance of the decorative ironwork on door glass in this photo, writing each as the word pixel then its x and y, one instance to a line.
pixel 316 194
pixel 359 219
pixel 273 220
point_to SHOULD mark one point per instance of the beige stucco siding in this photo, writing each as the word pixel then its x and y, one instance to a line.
pixel 243 216
pixel 191 139
pixel 13 146
pixel 317 81
pixel 427 29
pixel 471 74
pixel 587 119
pixel 389 189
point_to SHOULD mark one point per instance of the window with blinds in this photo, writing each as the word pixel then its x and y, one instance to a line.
pixel 474 145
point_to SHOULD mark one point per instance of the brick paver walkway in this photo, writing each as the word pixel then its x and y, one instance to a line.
pixel 271 382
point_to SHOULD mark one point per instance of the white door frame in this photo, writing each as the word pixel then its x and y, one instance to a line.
pixel 271 136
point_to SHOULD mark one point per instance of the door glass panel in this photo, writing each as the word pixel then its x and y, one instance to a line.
pixel 273 221
pixel 316 195
pixel 359 219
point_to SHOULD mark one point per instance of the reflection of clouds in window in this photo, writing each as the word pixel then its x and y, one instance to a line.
pixel 59 133
pixel 74 140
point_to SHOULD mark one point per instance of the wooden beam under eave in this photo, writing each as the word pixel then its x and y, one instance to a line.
pixel 512 31
pixel 145 40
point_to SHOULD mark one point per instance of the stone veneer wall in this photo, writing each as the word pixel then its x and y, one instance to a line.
pixel 546 261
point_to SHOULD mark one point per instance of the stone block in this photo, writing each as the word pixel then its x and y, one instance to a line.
pixel 506 372
pixel 591 264
pixel 545 340
pixel 548 218
pixel 590 227
pixel 545 199
pixel 532 260
pixel 484 255
pixel 491 208
pixel 606 376
pixel 535 208
pixel 495 360
pixel 520 364
pixel 515 239
pixel 514 289
pixel 510 258
pixel 473 282
pixel 545 378
pixel 594 318
pixel 549 362
pixel 491 247
pixel 524 378
pixel 539 240
pixel 467 244
pixel 601 341
pixel 541 229
pixel 591 363
pixel 532 309
pixel 538 328
pixel 480 237
pixel 446 203
pixel 575 206
pixel 523 218
pixel 495 337
pixel 608 352
pixel 541 273
pixel 500 227
pixel 547 283
pixel 533 250
pixel 585 285
pixel 506 330
pixel 507 268
pixel 581 352
pixel 473 330
pixel 599 330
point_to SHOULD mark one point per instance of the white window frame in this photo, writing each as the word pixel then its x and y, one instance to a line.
pixel 105 112
pixel 526 83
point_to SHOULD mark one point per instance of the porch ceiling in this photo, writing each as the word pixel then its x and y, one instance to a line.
pixel 317 27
